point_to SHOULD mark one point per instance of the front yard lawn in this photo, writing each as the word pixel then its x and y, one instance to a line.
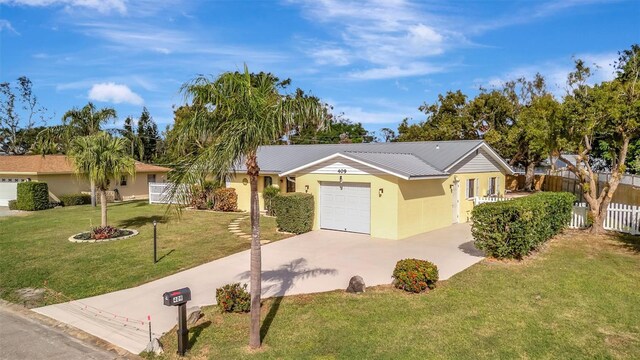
pixel 34 248
pixel 578 298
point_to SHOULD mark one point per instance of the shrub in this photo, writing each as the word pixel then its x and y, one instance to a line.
pixel 33 196
pixel 512 229
pixel 294 212
pixel 13 205
pixel 104 232
pixel 415 275
pixel 233 298
pixel 226 199
pixel 75 199
pixel 202 195
pixel 268 194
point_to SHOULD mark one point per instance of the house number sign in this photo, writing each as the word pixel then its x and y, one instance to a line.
pixel 342 171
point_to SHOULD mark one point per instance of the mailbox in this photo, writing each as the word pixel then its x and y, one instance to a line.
pixel 177 297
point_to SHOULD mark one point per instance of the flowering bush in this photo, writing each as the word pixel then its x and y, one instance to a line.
pixel 415 275
pixel 104 232
pixel 226 199
pixel 233 298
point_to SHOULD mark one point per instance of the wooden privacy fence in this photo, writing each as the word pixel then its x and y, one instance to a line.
pixel 620 217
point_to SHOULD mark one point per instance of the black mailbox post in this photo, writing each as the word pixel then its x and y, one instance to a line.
pixel 179 298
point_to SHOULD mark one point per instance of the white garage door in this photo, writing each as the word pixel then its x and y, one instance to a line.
pixel 8 191
pixel 345 207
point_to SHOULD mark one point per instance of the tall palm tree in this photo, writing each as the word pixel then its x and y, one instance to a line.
pixel 240 112
pixel 84 122
pixel 102 158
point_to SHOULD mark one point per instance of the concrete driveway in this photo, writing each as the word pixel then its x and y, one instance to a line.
pixel 314 262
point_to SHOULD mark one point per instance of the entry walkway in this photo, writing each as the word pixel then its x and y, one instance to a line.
pixel 314 262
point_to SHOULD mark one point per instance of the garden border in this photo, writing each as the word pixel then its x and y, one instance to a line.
pixel 73 239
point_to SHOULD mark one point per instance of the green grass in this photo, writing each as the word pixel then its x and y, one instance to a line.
pixel 268 229
pixel 34 248
pixel 578 298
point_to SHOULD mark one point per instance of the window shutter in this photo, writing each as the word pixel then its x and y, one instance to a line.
pixel 476 189
pixel 497 185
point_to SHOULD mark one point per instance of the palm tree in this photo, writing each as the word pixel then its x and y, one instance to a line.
pixel 84 122
pixel 102 158
pixel 240 112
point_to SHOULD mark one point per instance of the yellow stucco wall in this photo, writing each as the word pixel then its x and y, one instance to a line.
pixel 244 190
pixel 384 209
pixel 406 207
pixel 62 184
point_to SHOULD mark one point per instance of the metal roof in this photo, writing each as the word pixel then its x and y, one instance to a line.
pixel 409 159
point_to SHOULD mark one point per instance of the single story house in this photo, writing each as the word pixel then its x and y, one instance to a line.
pixel 387 190
pixel 57 171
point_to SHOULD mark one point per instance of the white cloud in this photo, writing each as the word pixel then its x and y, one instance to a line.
pixel 384 36
pixel 102 6
pixel 114 93
pixel 6 25
pixel 556 72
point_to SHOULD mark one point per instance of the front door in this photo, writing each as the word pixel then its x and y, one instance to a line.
pixel 455 198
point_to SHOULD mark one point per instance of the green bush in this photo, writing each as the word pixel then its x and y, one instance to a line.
pixel 32 196
pixel 226 199
pixel 415 275
pixel 233 298
pixel 514 228
pixel 268 194
pixel 294 212
pixel 13 205
pixel 75 199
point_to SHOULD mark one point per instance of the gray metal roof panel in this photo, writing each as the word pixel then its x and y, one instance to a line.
pixel 438 154
pixel 407 165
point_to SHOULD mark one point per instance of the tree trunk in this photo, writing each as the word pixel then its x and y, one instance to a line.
pixel 256 257
pixel 103 206
pixel 93 194
pixel 530 177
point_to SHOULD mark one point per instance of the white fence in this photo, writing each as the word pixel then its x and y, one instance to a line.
pixel 160 193
pixel 620 217
pixel 485 199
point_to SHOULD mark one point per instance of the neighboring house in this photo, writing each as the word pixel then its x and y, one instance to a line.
pixel 388 190
pixel 57 171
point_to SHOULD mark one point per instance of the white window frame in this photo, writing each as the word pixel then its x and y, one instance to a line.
pixel 473 181
pixel 495 186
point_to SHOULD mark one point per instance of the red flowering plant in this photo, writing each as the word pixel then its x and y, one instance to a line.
pixel 233 298
pixel 415 275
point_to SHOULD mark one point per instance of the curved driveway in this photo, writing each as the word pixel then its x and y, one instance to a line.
pixel 314 262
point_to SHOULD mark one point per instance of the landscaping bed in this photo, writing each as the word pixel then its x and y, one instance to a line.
pixel 577 297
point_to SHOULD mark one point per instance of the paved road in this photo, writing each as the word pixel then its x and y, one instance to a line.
pixel 314 262
pixel 22 337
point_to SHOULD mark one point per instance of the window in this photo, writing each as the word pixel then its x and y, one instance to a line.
pixel 268 181
pixel 471 188
pixel 493 186
pixel 291 184
pixel 123 181
pixel 151 178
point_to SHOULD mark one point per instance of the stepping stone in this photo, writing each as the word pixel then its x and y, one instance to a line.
pixel 236 231
pixel 263 242
pixel 245 236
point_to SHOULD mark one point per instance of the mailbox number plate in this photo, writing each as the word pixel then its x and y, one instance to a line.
pixel 176 299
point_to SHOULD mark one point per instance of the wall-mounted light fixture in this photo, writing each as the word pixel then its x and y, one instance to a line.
pixel 306 188
pixel 380 192
pixel 245 181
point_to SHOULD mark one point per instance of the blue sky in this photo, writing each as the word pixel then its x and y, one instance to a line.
pixel 375 61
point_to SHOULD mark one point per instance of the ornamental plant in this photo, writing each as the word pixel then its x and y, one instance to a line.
pixel 414 275
pixel 104 232
pixel 233 298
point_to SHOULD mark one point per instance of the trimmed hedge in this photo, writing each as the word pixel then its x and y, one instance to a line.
pixel 514 228
pixel 268 194
pixel 414 275
pixel 226 199
pixel 294 212
pixel 33 196
pixel 13 204
pixel 75 199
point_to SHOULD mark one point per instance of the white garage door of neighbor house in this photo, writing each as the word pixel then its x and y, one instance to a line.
pixel 345 207
pixel 8 191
